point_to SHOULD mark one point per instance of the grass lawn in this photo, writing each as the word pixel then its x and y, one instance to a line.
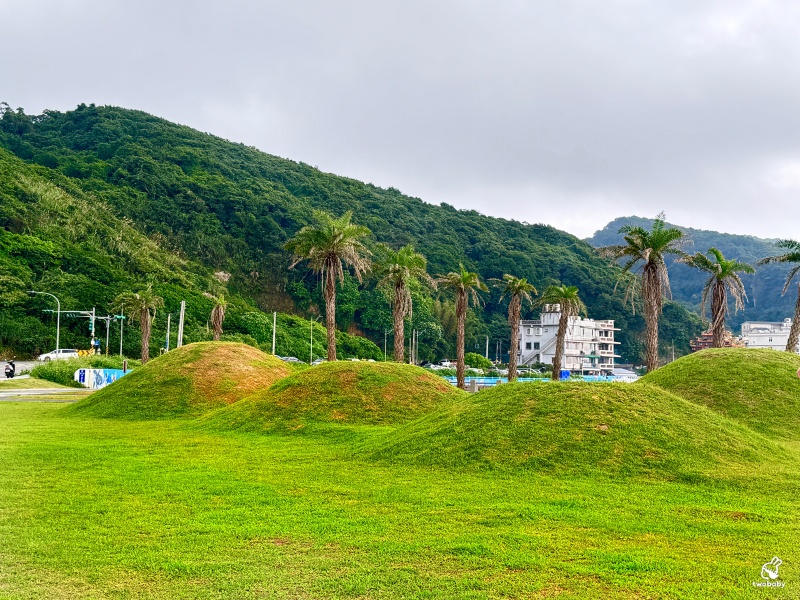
pixel 93 508
pixel 29 383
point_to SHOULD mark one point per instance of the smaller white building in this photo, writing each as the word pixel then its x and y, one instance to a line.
pixel 759 334
pixel 589 345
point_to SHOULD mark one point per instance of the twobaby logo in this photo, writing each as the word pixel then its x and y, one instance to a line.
pixel 769 572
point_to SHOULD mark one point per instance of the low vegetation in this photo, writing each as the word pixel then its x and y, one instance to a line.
pixel 187 381
pixel 579 429
pixel 27 384
pixel 351 393
pixel 118 508
pixel 63 371
pixel 758 388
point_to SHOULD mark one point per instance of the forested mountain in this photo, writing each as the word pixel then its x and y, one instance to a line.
pixel 764 288
pixel 217 206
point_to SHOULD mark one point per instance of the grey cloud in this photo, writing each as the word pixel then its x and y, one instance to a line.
pixel 569 112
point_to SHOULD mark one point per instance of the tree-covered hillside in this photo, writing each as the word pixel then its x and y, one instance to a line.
pixel 221 206
pixel 765 302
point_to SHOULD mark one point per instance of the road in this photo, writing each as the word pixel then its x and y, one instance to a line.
pixel 22 365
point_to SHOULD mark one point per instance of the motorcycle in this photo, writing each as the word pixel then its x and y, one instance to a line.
pixel 11 369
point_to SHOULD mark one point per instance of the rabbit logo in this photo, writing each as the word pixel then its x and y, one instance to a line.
pixel 769 572
pixel 770 569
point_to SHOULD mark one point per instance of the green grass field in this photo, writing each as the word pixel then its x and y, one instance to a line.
pixel 27 384
pixel 175 508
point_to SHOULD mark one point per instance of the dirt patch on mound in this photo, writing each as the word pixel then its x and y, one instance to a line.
pixel 229 373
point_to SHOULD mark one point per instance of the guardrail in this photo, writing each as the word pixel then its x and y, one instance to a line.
pixel 492 381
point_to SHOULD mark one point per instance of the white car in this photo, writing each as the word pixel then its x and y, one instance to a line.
pixel 61 354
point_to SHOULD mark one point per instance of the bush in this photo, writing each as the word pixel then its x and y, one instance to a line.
pixel 63 371
pixel 477 361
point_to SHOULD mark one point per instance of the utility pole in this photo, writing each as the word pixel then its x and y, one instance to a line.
pixel 487 348
pixel 274 324
pixel 121 321
pixel 108 332
pixel 169 321
pixel 384 344
pixel 179 343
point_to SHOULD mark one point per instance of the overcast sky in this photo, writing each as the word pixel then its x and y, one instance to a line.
pixel 564 112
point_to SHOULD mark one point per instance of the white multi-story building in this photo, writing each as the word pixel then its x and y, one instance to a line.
pixel 589 345
pixel 766 335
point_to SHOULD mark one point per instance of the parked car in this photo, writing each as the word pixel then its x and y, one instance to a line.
pixel 319 361
pixel 290 359
pixel 61 354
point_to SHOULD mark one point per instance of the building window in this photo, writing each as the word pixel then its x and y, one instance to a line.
pixel 770 339
pixel 528 345
pixel 535 345
pixel 539 331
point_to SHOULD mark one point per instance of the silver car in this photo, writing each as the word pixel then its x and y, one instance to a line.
pixel 61 354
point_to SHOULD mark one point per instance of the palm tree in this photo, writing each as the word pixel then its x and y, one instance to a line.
pixel 218 316
pixel 330 246
pixel 397 271
pixel 519 290
pixel 724 278
pixel 570 305
pixel 465 284
pixel 791 256
pixel 139 305
pixel 644 253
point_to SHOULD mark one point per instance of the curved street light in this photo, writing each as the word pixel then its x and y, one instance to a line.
pixel 58 315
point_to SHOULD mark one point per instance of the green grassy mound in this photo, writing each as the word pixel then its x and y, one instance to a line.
pixel 187 381
pixel 758 388
pixel 578 428
pixel 365 393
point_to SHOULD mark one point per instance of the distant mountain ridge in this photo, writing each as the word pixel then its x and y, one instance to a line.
pixel 765 302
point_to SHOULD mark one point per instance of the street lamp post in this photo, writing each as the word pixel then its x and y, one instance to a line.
pixel 58 315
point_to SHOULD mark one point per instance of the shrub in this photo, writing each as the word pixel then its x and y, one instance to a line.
pixel 477 361
pixel 63 371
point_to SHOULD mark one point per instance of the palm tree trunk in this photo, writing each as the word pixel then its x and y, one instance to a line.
pixel 217 317
pixel 461 317
pixel 718 301
pixel 146 326
pixel 399 325
pixel 563 320
pixel 651 294
pixel 794 332
pixel 330 313
pixel 514 309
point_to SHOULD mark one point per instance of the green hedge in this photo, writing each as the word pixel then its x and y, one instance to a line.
pixel 63 371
